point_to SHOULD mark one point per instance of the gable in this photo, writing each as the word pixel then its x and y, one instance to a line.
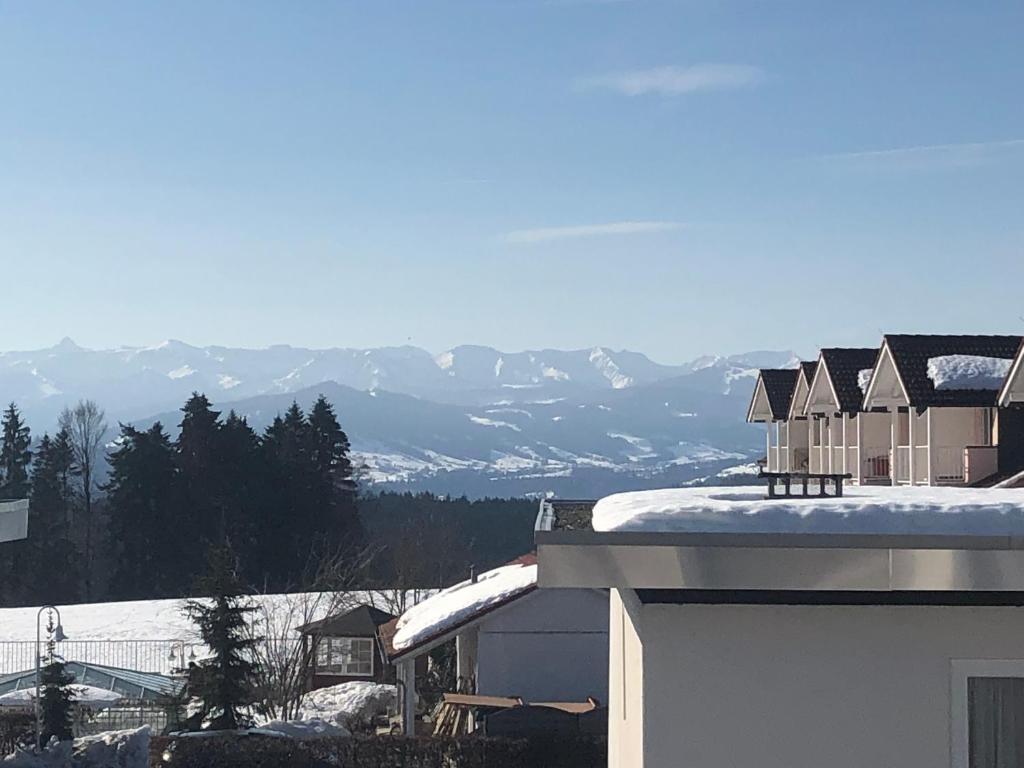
pixel 760 409
pixel 800 393
pixel 844 368
pixel 821 396
pixel 1013 388
pixel 885 388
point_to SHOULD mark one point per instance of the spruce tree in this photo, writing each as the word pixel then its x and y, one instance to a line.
pixel 333 492
pixel 56 697
pixel 47 562
pixel 223 683
pixel 15 455
pixel 200 463
pixel 147 525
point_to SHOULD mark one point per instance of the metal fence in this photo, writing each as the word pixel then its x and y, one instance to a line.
pixel 156 656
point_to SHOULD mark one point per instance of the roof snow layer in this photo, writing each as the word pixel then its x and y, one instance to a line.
pixel 456 605
pixel 968 371
pixel 861 510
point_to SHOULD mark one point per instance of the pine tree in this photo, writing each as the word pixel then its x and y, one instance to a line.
pixel 224 683
pixel 333 491
pixel 15 455
pixel 56 698
pixel 145 502
pixel 200 463
pixel 47 562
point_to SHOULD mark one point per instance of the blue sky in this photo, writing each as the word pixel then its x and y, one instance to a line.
pixel 671 177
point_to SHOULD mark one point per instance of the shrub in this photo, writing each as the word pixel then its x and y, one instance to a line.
pixel 233 751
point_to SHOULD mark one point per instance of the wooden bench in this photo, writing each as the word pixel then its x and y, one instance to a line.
pixel 804 478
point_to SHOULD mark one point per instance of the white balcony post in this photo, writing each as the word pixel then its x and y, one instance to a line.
pixel 860 449
pixel 894 438
pixel 931 459
pixel 846 448
pixel 911 459
pixel 829 420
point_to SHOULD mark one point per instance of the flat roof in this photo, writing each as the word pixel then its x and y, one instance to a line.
pixel 743 562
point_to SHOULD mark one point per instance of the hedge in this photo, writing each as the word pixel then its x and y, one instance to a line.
pixel 232 751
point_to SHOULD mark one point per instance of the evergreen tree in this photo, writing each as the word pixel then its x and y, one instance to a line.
pixel 145 500
pixel 47 561
pixel 56 697
pixel 224 683
pixel 333 489
pixel 245 492
pixel 15 455
pixel 201 463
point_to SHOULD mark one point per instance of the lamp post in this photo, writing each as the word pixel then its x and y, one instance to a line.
pixel 58 636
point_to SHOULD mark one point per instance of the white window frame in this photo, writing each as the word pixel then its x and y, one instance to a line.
pixel 346 672
pixel 962 670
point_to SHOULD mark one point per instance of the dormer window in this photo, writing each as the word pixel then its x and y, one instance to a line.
pixel 348 656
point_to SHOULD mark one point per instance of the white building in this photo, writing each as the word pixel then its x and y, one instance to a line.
pixel 13 519
pixel 807 632
pixel 941 394
pixel 843 438
pixel 512 639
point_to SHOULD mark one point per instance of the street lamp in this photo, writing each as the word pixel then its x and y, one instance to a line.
pixel 58 636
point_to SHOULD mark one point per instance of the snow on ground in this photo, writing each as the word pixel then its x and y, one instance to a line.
pixel 303 730
pixel 974 511
pixel 449 607
pixel 483 422
pixel 137 619
pixel 740 469
pixel 347 702
pixel 968 371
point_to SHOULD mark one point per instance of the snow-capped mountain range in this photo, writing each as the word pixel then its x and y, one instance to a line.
pixel 471 419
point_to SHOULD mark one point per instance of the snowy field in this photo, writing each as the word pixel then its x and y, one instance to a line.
pixel 157 619
pixel 971 511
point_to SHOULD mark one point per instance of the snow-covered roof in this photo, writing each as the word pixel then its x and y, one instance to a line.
pixel 864 510
pixel 457 606
pixel 864 378
pixel 968 371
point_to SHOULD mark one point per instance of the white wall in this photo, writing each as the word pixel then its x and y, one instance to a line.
pixel 549 646
pixel 625 682
pixel 795 686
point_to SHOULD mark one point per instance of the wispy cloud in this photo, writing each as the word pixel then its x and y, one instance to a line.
pixel 548 234
pixel 964 154
pixel 673 80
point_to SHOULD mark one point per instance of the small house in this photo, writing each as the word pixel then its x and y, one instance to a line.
pixel 941 395
pixel 347 647
pixel 844 439
pixel 786 445
pixel 512 640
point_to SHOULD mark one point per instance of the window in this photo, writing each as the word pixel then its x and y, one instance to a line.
pixel 988 714
pixel 345 656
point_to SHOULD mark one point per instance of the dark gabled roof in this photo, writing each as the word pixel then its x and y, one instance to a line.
pixel 844 366
pixel 361 621
pixel 911 354
pixel 779 384
pixel 807 368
